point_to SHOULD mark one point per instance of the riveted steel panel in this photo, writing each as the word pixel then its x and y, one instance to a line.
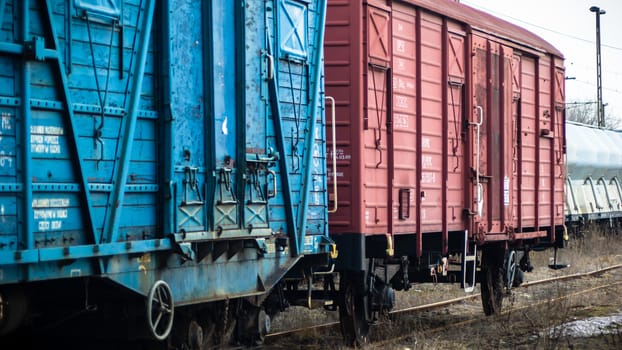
pixel 528 137
pixel 415 163
pixel 404 119
pixel 455 114
pixel 146 140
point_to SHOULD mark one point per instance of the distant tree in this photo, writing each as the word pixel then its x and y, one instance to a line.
pixel 585 112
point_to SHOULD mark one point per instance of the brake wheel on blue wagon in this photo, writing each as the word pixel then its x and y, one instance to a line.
pixel 352 310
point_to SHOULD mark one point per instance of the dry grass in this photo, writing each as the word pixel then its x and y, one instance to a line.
pixel 519 330
pixel 526 329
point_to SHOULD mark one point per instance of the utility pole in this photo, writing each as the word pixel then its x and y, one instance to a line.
pixel 599 80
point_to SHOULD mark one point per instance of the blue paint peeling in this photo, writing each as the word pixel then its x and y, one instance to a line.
pixel 187 166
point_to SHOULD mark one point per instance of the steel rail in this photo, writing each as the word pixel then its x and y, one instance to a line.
pixel 525 307
pixel 449 302
pixel 546 301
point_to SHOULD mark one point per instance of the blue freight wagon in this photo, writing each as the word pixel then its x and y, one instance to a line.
pixel 164 160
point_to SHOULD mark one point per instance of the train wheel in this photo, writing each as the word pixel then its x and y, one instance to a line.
pixel 160 310
pixel 492 281
pixel 354 324
pixel 253 324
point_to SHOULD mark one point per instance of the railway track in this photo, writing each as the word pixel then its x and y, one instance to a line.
pixel 272 337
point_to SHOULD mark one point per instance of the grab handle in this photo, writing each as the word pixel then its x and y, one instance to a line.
pixel 270 66
pixel 334 137
pixel 478 126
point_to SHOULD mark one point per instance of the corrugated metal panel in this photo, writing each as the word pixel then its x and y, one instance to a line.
pixel 528 130
pixel 157 134
pixel 343 65
pixel 432 176
pixel 404 119
pixel 415 148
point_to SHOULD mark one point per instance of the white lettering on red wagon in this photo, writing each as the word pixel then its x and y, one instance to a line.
pixel 339 174
pixel 400 64
pixel 506 191
pixel 428 178
pixel 425 142
pixel 403 84
pixel 339 154
pixel 426 161
pixel 400 121
pixel 401 45
pixel 401 102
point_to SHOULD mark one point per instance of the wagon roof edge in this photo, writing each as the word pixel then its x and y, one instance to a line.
pixel 485 21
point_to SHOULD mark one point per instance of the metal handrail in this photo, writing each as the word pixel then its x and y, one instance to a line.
pixel 334 137
pixel 477 143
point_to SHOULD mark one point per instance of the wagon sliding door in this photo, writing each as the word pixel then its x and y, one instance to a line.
pixel 454 110
pixel 218 194
pixel 539 129
pixel 492 139
pixel 206 185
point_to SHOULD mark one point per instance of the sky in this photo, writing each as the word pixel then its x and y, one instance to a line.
pixel 571 27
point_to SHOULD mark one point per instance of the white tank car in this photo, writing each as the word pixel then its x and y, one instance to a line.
pixel 593 185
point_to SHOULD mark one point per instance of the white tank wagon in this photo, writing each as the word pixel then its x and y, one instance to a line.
pixel 593 184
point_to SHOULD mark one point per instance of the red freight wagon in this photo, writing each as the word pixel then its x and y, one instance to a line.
pixel 450 142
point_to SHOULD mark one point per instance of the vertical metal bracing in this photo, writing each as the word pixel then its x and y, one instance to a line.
pixel 468 145
pixel 128 126
pixel 519 143
pixel 166 122
pixel 538 144
pixel 418 161
pixel 308 156
pixel 208 76
pixel 73 140
pixel 445 133
pixel 240 97
pixel 26 218
pixel 69 39
pixel 489 139
pixel 275 107
pixel 502 126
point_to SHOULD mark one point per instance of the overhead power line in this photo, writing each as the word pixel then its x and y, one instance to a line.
pixel 592 84
pixel 549 29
